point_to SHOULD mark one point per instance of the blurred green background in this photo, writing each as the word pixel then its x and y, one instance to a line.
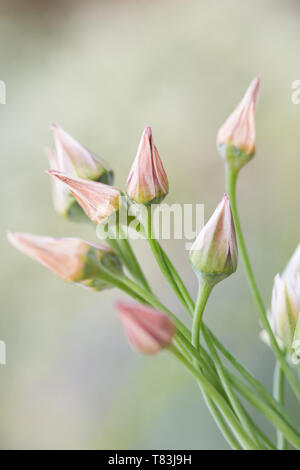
pixel 104 70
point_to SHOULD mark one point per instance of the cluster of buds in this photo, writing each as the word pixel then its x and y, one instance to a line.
pixel 284 314
pixel 82 184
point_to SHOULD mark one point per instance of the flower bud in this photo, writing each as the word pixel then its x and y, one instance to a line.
pixel 148 330
pixel 214 253
pixel 147 181
pixel 72 259
pixel 63 200
pixel 236 139
pixel 99 201
pixel 285 309
pixel 293 267
pixel 85 163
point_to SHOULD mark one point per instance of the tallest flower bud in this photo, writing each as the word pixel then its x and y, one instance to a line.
pixel 236 139
pixel 147 181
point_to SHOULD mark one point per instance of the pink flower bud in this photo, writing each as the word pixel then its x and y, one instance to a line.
pixel 214 253
pixel 147 181
pixel 99 201
pixel 72 259
pixel 236 138
pixel 148 330
pixel 85 163
pixel 64 203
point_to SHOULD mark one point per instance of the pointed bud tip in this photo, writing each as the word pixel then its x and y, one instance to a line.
pixel 148 131
pixel 238 131
pixel 53 126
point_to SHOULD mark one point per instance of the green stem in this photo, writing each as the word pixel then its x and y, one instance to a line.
pixel 278 392
pixel 273 415
pixel 226 411
pixel 204 291
pixel 231 179
pixel 221 423
pixel 246 374
pixel 156 250
pixel 135 267
pixel 249 426
pixel 205 288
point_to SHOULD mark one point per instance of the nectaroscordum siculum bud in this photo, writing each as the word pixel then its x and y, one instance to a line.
pixel 236 139
pixel 214 253
pixel 285 309
pixel 72 259
pixel 147 181
pixel 99 201
pixel 64 202
pixel 85 164
pixel 148 330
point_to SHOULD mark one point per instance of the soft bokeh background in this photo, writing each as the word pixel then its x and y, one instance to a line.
pixel 103 70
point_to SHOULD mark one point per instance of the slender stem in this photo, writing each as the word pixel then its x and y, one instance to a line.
pixel 231 178
pixel 236 405
pixel 221 423
pixel 226 411
pixel 278 392
pixel 156 250
pixel 135 266
pixel 273 415
pixel 246 374
pixel 204 291
pixel 186 298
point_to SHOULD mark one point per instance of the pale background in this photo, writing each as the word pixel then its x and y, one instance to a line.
pixel 104 70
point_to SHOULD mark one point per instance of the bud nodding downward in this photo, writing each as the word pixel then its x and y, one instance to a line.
pixel 147 181
pixel 72 259
pixel 85 164
pixel 214 253
pixel 99 201
pixel 236 139
pixel 148 330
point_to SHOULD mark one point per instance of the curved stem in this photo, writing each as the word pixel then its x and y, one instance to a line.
pixel 204 291
pixel 278 392
pixel 231 178
pixel 248 424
